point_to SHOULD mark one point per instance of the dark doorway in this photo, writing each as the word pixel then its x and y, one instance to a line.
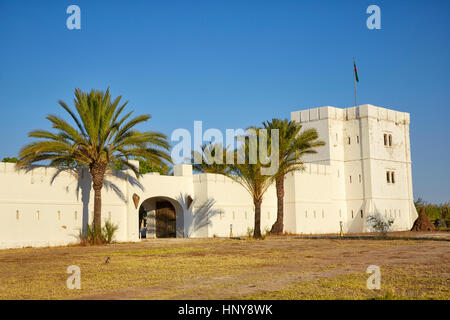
pixel 166 220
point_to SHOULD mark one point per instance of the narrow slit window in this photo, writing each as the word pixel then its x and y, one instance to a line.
pixel 388 177
pixel 392 177
pixel 362 214
pixel 357 139
pixel 352 214
pixel 350 179
pixel 385 139
pixel 390 140
pixel 349 140
pixel 359 178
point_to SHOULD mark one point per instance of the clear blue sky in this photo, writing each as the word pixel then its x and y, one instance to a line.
pixel 232 64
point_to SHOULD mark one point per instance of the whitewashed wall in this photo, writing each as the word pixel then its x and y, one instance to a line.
pixel 34 211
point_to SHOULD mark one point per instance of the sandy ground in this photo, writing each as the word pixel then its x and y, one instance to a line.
pixel 275 268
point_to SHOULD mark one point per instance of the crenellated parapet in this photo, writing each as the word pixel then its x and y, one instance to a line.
pixel 351 113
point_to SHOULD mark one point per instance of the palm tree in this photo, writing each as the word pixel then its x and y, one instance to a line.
pixel 101 139
pixel 293 144
pixel 241 171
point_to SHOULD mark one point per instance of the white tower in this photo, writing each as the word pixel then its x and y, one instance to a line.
pixel 368 149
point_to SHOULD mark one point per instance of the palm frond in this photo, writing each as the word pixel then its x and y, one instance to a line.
pixel 99 135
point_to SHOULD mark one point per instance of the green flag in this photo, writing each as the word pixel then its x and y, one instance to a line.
pixel 356 71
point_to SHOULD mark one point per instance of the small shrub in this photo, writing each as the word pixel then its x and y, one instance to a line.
pixel 91 236
pixel 95 236
pixel 379 223
pixel 108 231
pixel 250 233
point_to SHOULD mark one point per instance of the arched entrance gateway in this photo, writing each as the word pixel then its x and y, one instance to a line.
pixel 161 217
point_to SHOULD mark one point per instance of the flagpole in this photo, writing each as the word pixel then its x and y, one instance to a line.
pixel 354 76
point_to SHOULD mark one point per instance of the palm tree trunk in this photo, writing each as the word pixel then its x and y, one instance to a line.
pixel 97 172
pixel 97 208
pixel 278 226
pixel 257 231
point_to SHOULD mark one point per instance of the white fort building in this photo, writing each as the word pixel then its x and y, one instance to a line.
pixel 364 168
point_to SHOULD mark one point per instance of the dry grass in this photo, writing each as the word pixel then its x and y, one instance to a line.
pixel 223 269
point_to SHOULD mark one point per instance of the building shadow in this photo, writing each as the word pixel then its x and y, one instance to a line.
pixel 84 187
pixel 197 215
